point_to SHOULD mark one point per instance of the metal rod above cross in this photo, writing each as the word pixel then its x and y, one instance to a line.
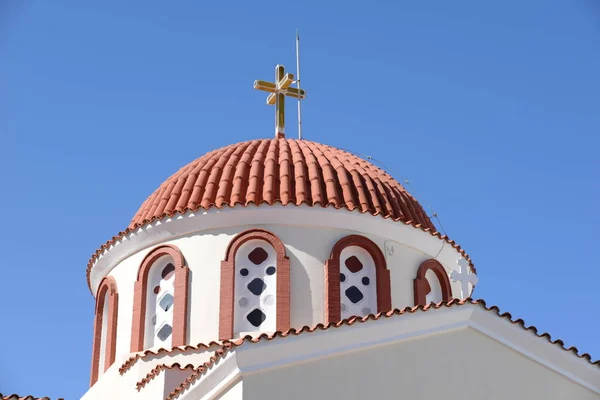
pixel 278 91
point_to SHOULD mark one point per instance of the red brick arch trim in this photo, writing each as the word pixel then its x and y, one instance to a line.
pixel 422 287
pixel 180 303
pixel 108 286
pixel 333 312
pixel 227 294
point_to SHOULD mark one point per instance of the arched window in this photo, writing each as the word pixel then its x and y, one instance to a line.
pixel 255 285
pixel 105 328
pixel 357 281
pixel 160 300
pixel 432 283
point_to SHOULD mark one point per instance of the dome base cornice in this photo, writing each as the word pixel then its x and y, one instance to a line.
pixel 430 243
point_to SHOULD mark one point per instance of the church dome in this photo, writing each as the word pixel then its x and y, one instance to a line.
pixel 285 171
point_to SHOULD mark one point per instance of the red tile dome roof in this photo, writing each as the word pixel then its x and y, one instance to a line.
pixel 285 171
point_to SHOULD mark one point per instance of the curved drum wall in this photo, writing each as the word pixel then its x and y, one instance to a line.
pixel 308 234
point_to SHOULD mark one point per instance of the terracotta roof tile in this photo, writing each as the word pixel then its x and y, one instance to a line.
pixel 280 171
pixel 196 374
pixel 260 171
pixel 180 349
pixel 228 345
pixel 157 370
pixel 17 397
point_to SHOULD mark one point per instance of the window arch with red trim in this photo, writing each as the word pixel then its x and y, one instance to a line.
pixel 432 284
pixel 105 328
pixel 160 308
pixel 357 281
pixel 255 285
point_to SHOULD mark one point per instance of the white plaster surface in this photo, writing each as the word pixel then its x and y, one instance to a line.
pixel 455 366
pixel 435 295
pixel 235 393
pixel 103 337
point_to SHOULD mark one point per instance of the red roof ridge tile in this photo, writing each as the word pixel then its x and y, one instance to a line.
pixel 17 397
pixel 228 345
pixel 411 310
pixel 157 370
pixel 162 351
pixel 198 372
pixel 284 172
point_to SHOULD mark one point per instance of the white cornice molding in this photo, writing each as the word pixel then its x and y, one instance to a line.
pixel 171 228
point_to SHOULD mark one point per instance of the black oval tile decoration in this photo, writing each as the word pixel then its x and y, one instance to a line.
pixel 354 294
pixel 366 281
pixel 342 278
pixel 271 270
pixel 164 332
pixel 244 272
pixel 257 286
pixel 353 264
pixel 258 256
pixel 168 271
pixel 256 317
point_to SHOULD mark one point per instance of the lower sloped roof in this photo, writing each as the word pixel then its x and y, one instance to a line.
pixel 229 345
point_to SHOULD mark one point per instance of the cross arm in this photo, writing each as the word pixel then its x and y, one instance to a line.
pixel 296 93
pixel 266 86
pixel 290 92
pixel 286 81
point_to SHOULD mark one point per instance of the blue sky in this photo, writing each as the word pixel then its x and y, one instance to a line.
pixel 490 109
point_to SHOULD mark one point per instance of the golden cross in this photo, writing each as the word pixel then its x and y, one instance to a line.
pixel 278 91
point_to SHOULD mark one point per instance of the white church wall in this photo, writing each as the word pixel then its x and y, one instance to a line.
pixel 103 337
pixel 435 295
pixel 308 234
pixel 155 389
pixel 113 385
pixel 203 255
pixel 125 275
pixel 453 366
pixel 307 248
pixel 110 385
pixel 403 262
pixel 236 392
pixel 171 380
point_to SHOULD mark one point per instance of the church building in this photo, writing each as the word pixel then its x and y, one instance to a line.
pixel 282 268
